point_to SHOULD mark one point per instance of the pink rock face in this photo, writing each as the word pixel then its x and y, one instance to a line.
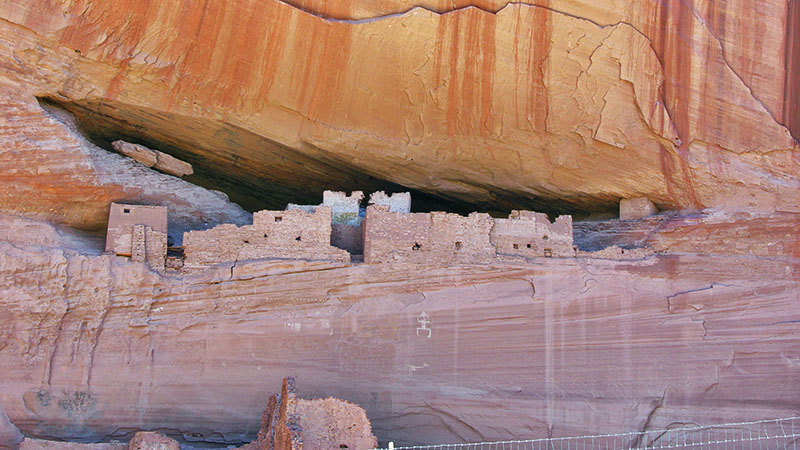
pixel 10 435
pixel 570 347
pixel 568 103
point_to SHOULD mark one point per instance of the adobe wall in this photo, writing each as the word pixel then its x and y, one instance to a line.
pixel 138 231
pixel 530 234
pixel 429 238
pixel 293 234
pixel 346 217
pixel 345 209
pixel 398 202
pixel 348 237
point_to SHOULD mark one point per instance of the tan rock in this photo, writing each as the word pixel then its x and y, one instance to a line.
pixel 331 423
pixel 292 423
pixel 172 165
pixel 138 152
pixel 636 208
pixel 154 158
pixel 151 440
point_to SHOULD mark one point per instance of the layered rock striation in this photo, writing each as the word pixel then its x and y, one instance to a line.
pixel 559 104
pixel 554 347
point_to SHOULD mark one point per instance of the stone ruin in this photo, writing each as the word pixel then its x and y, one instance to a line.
pixel 348 214
pixel 385 231
pixel 139 232
pixel 292 423
pixel 288 423
pixel 290 234
pixel 445 238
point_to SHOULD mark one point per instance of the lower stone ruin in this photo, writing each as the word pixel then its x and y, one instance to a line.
pixel 385 231
pixel 288 423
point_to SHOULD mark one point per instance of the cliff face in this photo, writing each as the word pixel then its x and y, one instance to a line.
pixel 95 346
pixel 562 105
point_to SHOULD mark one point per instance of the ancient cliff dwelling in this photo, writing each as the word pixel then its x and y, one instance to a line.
pixel 375 224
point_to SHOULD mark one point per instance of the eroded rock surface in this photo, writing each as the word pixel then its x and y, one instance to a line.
pixel 557 347
pixel 551 105
pixel 566 105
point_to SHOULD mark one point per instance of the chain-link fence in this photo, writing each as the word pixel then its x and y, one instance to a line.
pixel 759 435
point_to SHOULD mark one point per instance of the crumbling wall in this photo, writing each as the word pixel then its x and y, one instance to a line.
pixel 346 217
pixel 429 238
pixel 398 202
pixel 293 234
pixel 345 208
pixel 138 231
pixel 530 234
pixel 292 423
pixel 348 237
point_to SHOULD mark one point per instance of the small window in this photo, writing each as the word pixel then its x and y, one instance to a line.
pixel 544 238
pixel 516 246
pixel 126 210
pixel 458 245
pixel 278 218
pixel 529 245
pixel 297 238
pixel 265 235
pixel 415 247
pixel 548 253
pixel 246 242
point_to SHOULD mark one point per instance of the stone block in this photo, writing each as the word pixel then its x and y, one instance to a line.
pixel 138 152
pixel 636 208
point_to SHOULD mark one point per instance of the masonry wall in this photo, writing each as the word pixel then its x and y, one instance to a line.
pixel 530 234
pixel 139 232
pixel 428 238
pixel 293 234
pixel 344 208
pixel 397 202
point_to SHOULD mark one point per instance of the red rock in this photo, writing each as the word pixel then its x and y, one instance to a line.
pixel 666 100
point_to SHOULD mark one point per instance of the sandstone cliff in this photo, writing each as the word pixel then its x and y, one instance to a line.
pixel 566 105
pixel 562 106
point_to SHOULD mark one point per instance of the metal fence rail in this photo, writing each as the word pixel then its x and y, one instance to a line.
pixel 758 435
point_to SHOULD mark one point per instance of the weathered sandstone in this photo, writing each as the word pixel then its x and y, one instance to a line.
pixel 568 105
pixel 561 106
pixel 556 347
pixel 154 158
pixel 42 444
pixel 150 440
pixel 293 423
pixel 10 435
pixel 636 208
pixel 140 153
